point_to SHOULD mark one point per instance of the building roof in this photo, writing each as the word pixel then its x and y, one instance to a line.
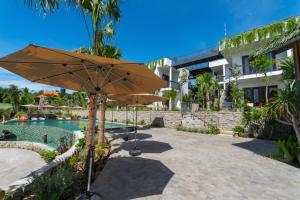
pixel 202 56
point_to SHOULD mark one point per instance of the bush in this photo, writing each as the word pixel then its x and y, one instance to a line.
pixel 56 185
pixel 115 120
pixel 81 144
pixel 48 155
pixel 100 149
pixel 179 127
pixel 74 160
pixel 288 150
pixel 142 122
pixel 214 130
pixel 239 131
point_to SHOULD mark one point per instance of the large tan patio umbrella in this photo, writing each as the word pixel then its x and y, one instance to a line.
pixel 136 100
pixel 81 72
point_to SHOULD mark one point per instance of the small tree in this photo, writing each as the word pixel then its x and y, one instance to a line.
pixel 285 108
pixel 171 95
pixel 208 85
pixel 262 64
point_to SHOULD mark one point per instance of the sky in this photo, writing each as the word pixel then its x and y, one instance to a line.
pixel 148 30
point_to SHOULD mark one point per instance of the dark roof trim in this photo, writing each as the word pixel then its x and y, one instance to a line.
pixel 199 61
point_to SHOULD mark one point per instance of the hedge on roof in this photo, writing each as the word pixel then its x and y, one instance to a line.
pixel 153 64
pixel 260 34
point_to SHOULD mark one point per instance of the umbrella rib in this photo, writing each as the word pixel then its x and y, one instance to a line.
pixel 55 75
pixel 107 75
pixel 89 75
pixel 82 81
pixel 32 62
pixel 119 79
pixel 53 50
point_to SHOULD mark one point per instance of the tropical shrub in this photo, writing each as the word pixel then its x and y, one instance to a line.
pixel 288 150
pixel 213 130
pixel 239 131
pixel 81 144
pixel 54 185
pixel 48 155
pixel 179 127
pixel 142 122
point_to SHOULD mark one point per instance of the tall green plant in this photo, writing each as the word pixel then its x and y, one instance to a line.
pixel 262 63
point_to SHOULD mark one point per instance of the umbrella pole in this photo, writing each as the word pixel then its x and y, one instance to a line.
pixel 126 138
pixel 135 151
pixel 135 132
pixel 112 119
pixel 89 145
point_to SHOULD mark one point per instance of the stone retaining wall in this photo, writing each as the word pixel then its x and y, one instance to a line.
pixel 226 121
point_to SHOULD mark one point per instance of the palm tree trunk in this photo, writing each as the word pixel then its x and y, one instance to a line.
pixel 102 121
pixel 91 127
pixel 170 104
pixel 207 101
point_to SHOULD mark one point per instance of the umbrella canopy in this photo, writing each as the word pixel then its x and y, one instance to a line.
pixel 81 72
pixel 137 99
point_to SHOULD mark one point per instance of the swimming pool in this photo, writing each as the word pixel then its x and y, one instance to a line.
pixel 56 130
pixel 70 125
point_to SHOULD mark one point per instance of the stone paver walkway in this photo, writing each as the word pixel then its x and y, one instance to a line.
pixel 16 164
pixel 187 166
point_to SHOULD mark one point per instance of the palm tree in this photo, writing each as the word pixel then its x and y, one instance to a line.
pixel 102 14
pixel 3 94
pixel 285 108
pixel 288 70
pixel 27 97
pixel 171 95
pixel 14 97
pixel 208 85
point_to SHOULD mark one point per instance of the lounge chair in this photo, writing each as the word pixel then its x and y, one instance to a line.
pixel 34 118
pixel 42 118
pixel 6 134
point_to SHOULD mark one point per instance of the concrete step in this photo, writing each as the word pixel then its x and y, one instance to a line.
pixel 227 132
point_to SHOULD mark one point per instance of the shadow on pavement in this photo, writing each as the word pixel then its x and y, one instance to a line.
pixel 132 177
pixel 139 136
pixel 261 147
pixel 144 146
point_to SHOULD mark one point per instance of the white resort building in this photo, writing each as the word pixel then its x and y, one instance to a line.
pixel 163 68
pixel 232 55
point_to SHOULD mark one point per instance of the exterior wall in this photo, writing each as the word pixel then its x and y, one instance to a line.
pixel 258 82
pixel 164 67
pixel 226 121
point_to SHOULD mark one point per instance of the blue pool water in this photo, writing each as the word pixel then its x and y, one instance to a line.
pixel 64 124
